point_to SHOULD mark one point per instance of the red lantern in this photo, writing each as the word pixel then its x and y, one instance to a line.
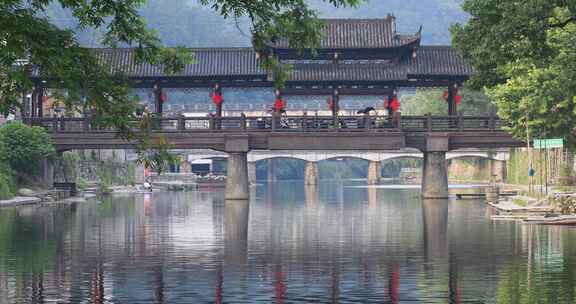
pixel 330 103
pixel 394 104
pixel 458 99
pixel 217 99
pixel 279 105
pixel 163 97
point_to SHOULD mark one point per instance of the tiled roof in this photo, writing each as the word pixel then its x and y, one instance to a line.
pixel 430 61
pixel 236 63
pixel 439 61
pixel 209 62
pixel 365 71
pixel 359 34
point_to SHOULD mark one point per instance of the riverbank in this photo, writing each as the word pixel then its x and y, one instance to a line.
pixel 30 197
pixel 27 197
pixel 557 208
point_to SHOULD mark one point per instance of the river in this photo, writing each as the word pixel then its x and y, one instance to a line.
pixel 335 243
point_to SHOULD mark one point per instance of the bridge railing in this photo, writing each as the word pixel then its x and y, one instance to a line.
pixel 276 123
pixel 428 123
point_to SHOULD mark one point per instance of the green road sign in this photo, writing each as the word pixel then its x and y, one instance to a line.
pixel 548 143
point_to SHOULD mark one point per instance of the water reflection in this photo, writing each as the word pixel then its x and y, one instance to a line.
pixel 236 232
pixel 435 232
pixel 331 243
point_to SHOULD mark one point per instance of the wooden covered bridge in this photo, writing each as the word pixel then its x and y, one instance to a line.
pixel 356 57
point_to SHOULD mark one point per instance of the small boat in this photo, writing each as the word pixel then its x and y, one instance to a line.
pixel 551 220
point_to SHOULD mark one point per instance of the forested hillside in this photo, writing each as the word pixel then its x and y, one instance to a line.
pixel 185 22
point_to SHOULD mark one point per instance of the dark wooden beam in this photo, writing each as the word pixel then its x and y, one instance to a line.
pixel 358 91
pixel 261 82
pixel 392 54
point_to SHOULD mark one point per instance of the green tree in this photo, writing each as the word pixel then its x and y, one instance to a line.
pixel 524 53
pixel 30 40
pixel 23 147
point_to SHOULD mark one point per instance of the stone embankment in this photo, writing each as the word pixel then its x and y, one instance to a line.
pixel 30 197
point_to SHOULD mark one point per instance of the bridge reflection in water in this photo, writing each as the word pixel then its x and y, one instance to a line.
pixel 301 244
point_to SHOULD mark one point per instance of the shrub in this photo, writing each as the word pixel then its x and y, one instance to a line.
pixel 70 163
pixel 566 176
pixel 23 146
pixel 7 184
pixel 564 204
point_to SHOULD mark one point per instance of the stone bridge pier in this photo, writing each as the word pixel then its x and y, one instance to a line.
pixel 252 173
pixel 374 172
pixel 311 174
pixel 47 172
pixel 237 182
pixel 498 170
pixel 434 171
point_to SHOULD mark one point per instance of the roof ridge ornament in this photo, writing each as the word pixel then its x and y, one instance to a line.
pixel 392 19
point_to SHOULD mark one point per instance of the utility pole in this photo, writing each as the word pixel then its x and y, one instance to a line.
pixel 530 167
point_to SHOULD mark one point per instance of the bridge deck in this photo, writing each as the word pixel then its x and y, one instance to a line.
pixel 291 133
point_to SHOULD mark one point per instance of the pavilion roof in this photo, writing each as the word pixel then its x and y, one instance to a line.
pixel 215 64
pixel 430 61
pixel 359 34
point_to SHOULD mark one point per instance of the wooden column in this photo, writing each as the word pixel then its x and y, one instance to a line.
pixel 335 107
pixel 336 101
pixel 158 99
pixel 40 102
pixel 25 109
pixel 452 111
pixel 36 102
pixel 33 103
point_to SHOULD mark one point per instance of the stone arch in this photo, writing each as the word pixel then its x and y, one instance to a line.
pixel 261 157
pixel 192 157
pixel 392 169
pixel 332 158
pixel 401 156
pixel 267 167
pixel 455 156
